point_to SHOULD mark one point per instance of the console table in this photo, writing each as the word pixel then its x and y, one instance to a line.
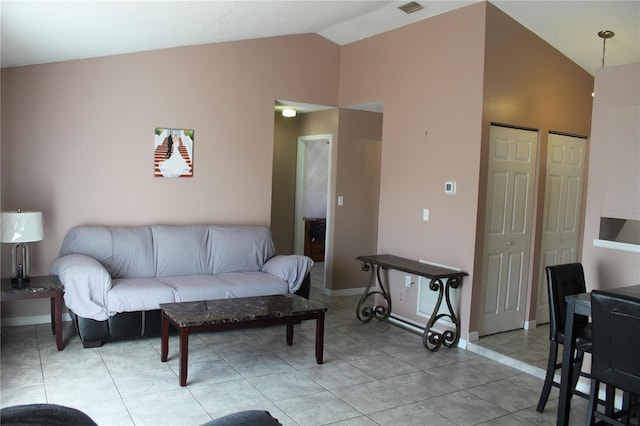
pixel 442 280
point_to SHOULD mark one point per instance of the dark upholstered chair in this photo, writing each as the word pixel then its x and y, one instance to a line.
pixel 245 418
pixel 43 415
pixel 564 280
pixel 58 415
pixel 615 355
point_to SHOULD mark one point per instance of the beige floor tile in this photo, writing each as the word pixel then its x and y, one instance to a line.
pixel 374 373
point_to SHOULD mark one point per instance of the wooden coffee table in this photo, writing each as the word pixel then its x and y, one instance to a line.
pixel 226 314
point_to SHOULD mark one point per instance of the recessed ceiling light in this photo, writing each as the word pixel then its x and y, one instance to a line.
pixel 411 7
pixel 288 112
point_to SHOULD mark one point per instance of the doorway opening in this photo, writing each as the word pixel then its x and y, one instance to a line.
pixel 312 193
pixel 313 171
pixel 301 187
pixel 351 216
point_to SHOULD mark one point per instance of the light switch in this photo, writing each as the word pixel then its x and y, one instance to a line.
pixel 425 215
pixel 340 200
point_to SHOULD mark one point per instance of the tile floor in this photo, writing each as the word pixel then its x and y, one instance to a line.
pixel 373 374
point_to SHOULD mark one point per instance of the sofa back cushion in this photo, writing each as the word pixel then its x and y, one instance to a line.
pixel 171 250
pixel 132 252
pixel 92 241
pixel 125 251
pixel 180 250
pixel 238 248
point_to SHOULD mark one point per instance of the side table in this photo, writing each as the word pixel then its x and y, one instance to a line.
pixel 39 287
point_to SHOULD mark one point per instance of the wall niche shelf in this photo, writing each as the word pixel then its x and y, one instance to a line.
pixel 614 245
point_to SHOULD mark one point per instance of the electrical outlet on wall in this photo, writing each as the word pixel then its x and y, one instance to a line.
pixel 408 282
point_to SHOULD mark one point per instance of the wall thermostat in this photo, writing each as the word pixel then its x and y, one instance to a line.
pixel 450 187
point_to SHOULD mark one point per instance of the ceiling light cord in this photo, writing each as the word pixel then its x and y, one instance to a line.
pixel 604 35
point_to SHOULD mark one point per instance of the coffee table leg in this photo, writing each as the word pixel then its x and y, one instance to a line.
pixel 164 339
pixel 184 354
pixel 289 333
pixel 320 337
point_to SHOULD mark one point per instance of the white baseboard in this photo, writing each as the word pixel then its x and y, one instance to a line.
pixel 31 320
pixel 530 325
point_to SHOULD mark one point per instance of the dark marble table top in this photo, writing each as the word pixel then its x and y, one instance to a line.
pixel 243 309
pixel 427 270
pixel 35 285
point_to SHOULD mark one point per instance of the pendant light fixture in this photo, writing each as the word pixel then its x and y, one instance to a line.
pixel 604 35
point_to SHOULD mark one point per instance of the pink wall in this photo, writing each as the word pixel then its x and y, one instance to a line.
pixel 355 225
pixel 83 130
pixel 283 190
pixel 77 137
pixel 429 76
pixel 442 82
pixel 614 174
pixel 527 84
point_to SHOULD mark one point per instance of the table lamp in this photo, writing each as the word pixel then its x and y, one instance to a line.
pixel 20 228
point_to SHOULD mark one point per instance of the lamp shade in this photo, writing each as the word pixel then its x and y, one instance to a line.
pixel 21 227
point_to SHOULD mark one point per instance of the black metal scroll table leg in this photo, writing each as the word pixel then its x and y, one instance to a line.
pixel 433 339
pixel 364 312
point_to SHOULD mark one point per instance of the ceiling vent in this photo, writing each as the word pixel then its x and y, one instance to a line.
pixel 411 7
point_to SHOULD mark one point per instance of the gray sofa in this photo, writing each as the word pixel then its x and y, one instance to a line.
pixel 115 278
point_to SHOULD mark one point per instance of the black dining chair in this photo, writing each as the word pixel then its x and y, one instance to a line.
pixel 615 356
pixel 564 280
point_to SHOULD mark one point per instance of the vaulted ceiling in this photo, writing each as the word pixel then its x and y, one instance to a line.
pixel 34 32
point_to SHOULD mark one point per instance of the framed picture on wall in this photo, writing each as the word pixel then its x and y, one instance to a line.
pixel 173 152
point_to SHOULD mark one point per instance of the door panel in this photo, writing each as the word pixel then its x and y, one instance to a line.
pixel 562 206
pixel 520 197
pixel 516 262
pixel 507 228
pixel 499 202
pixel 494 266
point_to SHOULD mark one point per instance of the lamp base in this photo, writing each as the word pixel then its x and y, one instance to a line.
pixel 20 282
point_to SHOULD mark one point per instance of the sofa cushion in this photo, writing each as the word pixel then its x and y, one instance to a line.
pixel 132 252
pixel 242 248
pixel 225 286
pixel 138 294
pixel 93 241
pixel 180 250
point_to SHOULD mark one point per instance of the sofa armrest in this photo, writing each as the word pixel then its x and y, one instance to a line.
pixel 291 268
pixel 86 284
